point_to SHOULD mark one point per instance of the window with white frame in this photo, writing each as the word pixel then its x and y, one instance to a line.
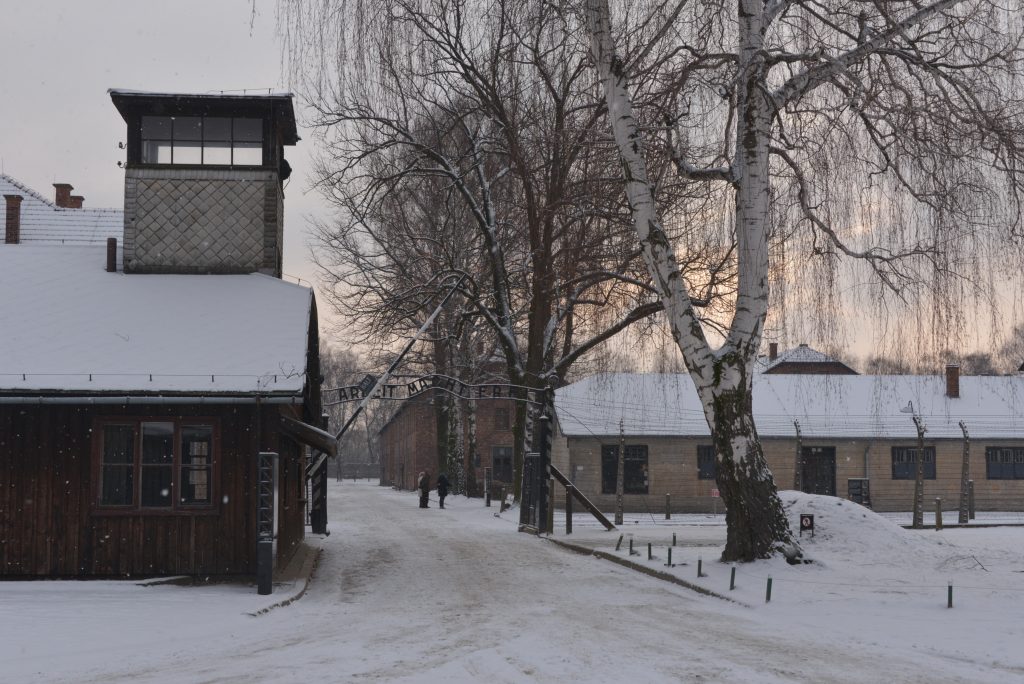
pixel 202 140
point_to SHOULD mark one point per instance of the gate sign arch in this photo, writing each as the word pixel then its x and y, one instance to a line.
pixel 408 390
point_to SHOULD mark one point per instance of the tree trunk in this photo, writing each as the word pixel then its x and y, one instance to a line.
pixel 756 521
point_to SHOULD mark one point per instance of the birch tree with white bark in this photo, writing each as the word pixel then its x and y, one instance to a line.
pixel 889 132
pixel 488 107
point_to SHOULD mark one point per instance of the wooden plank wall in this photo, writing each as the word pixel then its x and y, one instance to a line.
pixel 48 526
pixel 291 473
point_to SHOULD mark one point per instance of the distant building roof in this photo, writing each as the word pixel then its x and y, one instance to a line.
pixel 804 359
pixel 43 222
pixel 826 406
pixel 69 326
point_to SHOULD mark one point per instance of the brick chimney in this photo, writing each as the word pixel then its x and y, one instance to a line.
pixel 952 381
pixel 62 198
pixel 773 351
pixel 75 202
pixel 12 231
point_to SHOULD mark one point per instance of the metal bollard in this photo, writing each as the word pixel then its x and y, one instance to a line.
pixel 264 567
pixel 700 566
pixel 938 513
pixel 768 591
pixel 618 544
pixel 650 553
pixel 568 509
pixel 949 596
pixel 669 563
pixel 673 539
pixel 732 578
pixel 668 507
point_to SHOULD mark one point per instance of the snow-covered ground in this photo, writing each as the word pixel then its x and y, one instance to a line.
pixel 404 594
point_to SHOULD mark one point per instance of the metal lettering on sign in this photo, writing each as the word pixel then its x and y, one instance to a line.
pixel 412 388
pixel 806 524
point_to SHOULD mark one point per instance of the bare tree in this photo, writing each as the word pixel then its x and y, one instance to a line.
pixel 342 368
pixel 887 132
pixel 1011 354
pixel 885 365
pixel 479 116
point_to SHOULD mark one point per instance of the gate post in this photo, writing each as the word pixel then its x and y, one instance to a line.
pixel 318 497
pixel 529 493
pixel 544 487
pixel 265 522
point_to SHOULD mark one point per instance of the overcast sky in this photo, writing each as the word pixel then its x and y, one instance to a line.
pixel 58 124
pixel 59 59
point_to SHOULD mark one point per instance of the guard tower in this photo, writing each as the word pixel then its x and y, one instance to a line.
pixel 202 184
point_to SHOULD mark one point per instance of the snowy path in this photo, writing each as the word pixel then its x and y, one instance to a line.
pixel 407 595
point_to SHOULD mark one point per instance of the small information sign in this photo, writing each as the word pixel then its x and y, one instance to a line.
pixel 714 493
pixel 806 524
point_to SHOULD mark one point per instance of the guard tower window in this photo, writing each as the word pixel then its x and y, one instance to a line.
pixel 202 140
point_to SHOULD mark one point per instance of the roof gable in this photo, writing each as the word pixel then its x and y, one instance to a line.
pixel 805 359
pixel 43 222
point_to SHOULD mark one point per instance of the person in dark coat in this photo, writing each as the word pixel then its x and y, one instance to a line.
pixel 442 488
pixel 424 485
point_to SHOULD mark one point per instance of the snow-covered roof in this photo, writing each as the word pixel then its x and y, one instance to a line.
pixel 800 354
pixel 43 222
pixel 826 406
pixel 280 103
pixel 69 325
pixel 219 94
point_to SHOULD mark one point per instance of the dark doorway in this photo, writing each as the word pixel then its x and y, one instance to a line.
pixel 501 459
pixel 818 474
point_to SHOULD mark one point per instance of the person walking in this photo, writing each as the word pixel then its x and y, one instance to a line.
pixel 442 488
pixel 424 485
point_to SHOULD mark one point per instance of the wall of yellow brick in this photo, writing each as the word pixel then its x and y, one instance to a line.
pixel 672 468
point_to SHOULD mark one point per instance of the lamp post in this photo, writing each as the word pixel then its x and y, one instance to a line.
pixel 918 521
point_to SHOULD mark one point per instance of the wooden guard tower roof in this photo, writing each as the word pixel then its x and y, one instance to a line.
pixel 276 103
